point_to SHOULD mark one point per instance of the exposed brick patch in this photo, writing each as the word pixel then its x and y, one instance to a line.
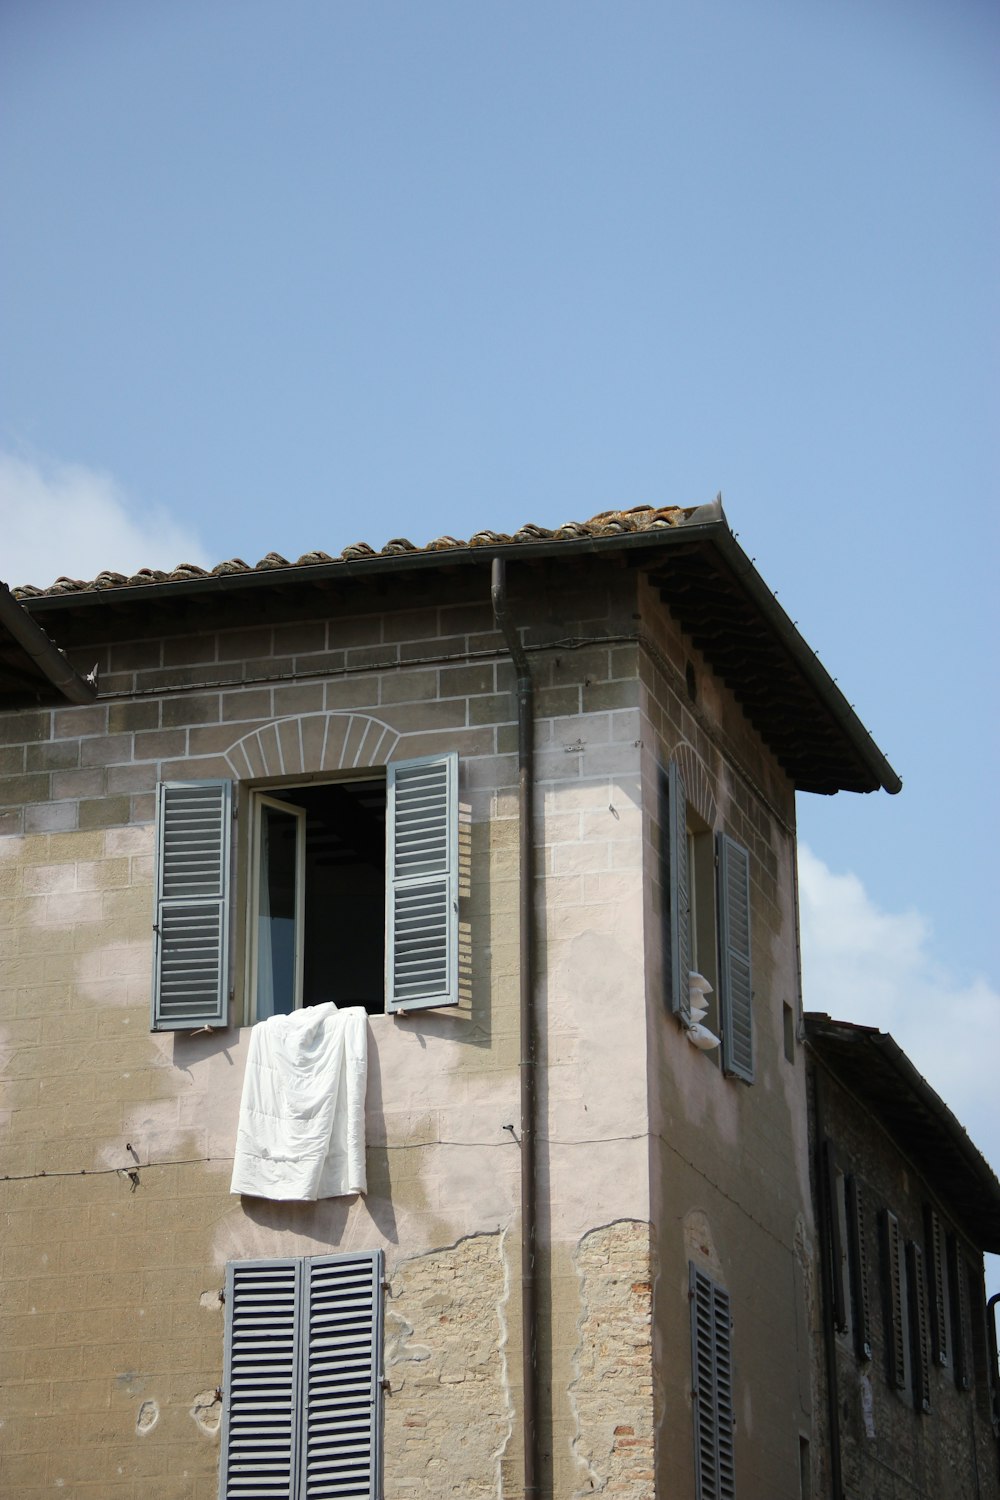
pixel 612 1388
pixel 449 1413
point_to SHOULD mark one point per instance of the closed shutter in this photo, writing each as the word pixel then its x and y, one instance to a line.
pixel 679 878
pixel 343 1386
pixel 712 1373
pixel 191 929
pixel 422 883
pixel 735 977
pixel 261 1381
pixel 302 1390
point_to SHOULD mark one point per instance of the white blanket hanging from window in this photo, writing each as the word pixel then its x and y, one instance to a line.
pixel 301 1132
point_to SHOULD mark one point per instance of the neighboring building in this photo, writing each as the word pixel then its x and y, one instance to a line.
pixel 906 1207
pixel 295 723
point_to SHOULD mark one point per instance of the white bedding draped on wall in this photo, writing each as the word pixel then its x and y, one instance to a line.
pixel 301 1132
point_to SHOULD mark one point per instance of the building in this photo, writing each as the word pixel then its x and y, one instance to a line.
pixel 906 1207
pixel 604 729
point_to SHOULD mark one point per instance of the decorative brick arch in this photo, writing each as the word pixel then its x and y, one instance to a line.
pixel 308 743
pixel 697 784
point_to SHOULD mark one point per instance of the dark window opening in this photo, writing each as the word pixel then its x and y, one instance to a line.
pixel 318 920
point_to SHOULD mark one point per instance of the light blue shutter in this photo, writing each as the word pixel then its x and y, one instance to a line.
pixel 680 895
pixel 421 950
pixel 191 929
pixel 260 1413
pixel 342 1301
pixel 712 1374
pixel 302 1389
pixel 735 976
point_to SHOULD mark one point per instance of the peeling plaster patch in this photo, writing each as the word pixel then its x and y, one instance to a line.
pixel 149 1415
pixel 700 1246
pixel 611 1394
pixel 446 1328
pixel 207 1412
pixel 210 1301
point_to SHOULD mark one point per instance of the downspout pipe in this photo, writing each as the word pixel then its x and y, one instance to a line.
pixel 529 1097
pixel 46 656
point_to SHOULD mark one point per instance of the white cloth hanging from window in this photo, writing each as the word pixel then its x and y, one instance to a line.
pixel 301 1132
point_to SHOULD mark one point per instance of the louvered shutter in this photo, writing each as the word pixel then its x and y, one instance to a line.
pixel 961 1327
pixel 937 1283
pixel 857 1251
pixel 892 1279
pixel 832 1185
pixel 261 1381
pixel 302 1389
pixel 191 930
pixel 422 883
pixel 920 1343
pixel 342 1378
pixel 712 1372
pixel 735 976
pixel 680 894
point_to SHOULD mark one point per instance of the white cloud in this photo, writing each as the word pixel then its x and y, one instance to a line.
pixel 874 968
pixel 60 518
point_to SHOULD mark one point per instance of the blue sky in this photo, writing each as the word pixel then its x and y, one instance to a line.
pixel 290 276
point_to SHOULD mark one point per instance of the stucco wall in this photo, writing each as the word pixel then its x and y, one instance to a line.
pixel 112 1322
pixel 729 1165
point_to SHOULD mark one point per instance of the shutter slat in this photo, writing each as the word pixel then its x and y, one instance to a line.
pixel 422 883
pixel 735 978
pixel 191 932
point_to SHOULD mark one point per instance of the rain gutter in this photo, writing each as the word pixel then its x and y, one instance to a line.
pixel 705 525
pixel 50 661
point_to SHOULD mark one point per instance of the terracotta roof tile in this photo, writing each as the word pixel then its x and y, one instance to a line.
pixel 607 523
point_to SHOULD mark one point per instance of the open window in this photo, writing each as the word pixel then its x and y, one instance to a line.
pixel 352 895
pixel 707 877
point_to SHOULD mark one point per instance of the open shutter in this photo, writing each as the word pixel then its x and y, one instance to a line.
pixel 712 1372
pixel 343 1378
pixel 938 1283
pixel 857 1251
pixel 892 1282
pixel 961 1328
pixel 735 978
pixel 191 927
pixel 680 894
pixel 422 883
pixel 920 1340
pixel 261 1381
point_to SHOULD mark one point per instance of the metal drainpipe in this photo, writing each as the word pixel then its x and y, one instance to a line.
pixel 526 788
